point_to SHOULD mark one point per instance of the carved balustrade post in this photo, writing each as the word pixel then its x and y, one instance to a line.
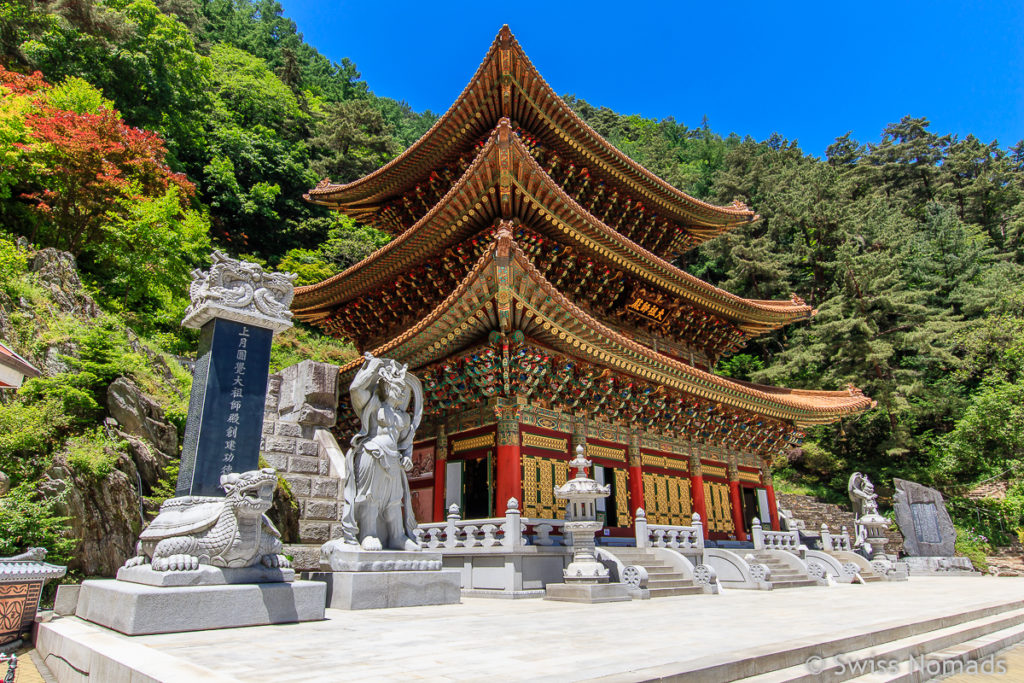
pixel 642 540
pixel 758 534
pixel 513 527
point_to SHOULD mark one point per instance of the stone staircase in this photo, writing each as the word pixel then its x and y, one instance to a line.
pixel 662 580
pixel 782 574
pixel 908 653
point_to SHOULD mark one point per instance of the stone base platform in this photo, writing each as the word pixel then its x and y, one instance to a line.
pixel 740 634
pixel 588 592
pixel 206 575
pixel 137 609
pixel 939 566
pixel 384 589
pixel 338 556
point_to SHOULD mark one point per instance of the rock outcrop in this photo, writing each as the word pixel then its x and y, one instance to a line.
pixel 139 415
pixel 58 273
pixel 104 514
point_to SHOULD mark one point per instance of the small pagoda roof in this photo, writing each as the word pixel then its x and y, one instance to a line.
pixel 507 85
pixel 505 291
pixel 526 192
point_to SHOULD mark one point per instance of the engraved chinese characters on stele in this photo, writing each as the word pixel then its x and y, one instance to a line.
pixel 926 522
pixel 225 419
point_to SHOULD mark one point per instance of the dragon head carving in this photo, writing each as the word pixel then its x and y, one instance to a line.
pixel 250 494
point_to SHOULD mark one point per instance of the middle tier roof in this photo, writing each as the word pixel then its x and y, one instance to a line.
pixel 505 182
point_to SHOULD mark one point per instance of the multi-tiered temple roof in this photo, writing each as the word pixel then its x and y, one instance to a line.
pixel 531 260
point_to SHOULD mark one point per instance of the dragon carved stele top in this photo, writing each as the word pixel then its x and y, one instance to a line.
pixel 232 531
pixel 241 291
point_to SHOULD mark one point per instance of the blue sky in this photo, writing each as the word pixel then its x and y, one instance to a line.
pixel 808 71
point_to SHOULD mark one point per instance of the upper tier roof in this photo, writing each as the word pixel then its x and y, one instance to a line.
pixel 524 192
pixel 507 85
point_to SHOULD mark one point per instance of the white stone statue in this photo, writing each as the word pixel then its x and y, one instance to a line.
pixel 232 531
pixel 862 495
pixel 241 291
pixel 378 505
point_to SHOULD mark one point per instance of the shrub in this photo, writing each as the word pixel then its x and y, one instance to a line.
pixel 973 546
pixel 94 454
pixel 26 521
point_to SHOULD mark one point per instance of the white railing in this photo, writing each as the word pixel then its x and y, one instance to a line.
pixel 835 543
pixel 685 538
pixel 509 532
pixel 766 539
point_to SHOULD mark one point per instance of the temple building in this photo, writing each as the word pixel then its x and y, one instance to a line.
pixel 529 285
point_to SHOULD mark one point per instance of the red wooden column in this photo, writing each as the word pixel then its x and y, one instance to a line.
pixel 734 498
pixel 508 476
pixel 440 472
pixel 697 489
pixel 773 508
pixel 636 476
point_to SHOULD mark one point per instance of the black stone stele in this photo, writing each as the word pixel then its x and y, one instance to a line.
pixel 225 413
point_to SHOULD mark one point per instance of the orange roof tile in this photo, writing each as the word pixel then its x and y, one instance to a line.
pixel 434 232
pixel 452 324
pixel 480 106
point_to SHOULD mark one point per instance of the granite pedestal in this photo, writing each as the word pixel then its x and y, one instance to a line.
pixel 940 566
pixel 206 575
pixel 376 579
pixel 587 592
pixel 137 609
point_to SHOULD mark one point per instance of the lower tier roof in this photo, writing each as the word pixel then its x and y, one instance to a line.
pixel 504 294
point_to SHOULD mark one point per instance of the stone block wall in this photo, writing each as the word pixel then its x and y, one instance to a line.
pixel 814 512
pixel 301 399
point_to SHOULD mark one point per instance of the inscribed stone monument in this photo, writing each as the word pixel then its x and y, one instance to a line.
pixel 238 307
pixel 212 558
pixel 921 514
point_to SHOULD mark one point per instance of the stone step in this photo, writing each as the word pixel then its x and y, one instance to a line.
pixel 676 581
pixel 969 635
pixel 952 659
pixel 670 592
pixel 789 583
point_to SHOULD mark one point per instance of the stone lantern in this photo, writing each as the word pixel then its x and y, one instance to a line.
pixel 586 579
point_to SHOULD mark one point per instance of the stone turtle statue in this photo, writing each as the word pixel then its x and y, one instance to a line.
pixel 232 531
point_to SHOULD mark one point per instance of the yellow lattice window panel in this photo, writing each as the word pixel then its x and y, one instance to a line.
pixel 540 477
pixel 622 498
pixel 667 499
pixel 719 507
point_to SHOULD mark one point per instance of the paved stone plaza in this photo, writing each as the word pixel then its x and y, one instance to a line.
pixel 537 639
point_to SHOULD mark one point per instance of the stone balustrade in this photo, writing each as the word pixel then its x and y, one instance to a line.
pixel 766 539
pixel 510 532
pixel 686 538
pixel 835 542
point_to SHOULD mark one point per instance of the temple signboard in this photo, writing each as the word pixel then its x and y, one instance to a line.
pixel 648 309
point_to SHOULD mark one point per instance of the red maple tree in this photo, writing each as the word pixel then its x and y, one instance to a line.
pixel 82 165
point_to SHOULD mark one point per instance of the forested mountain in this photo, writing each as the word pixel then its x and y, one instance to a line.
pixel 137 135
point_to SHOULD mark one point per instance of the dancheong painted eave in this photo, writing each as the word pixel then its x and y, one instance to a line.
pixel 523 299
pixel 506 84
pixel 529 195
